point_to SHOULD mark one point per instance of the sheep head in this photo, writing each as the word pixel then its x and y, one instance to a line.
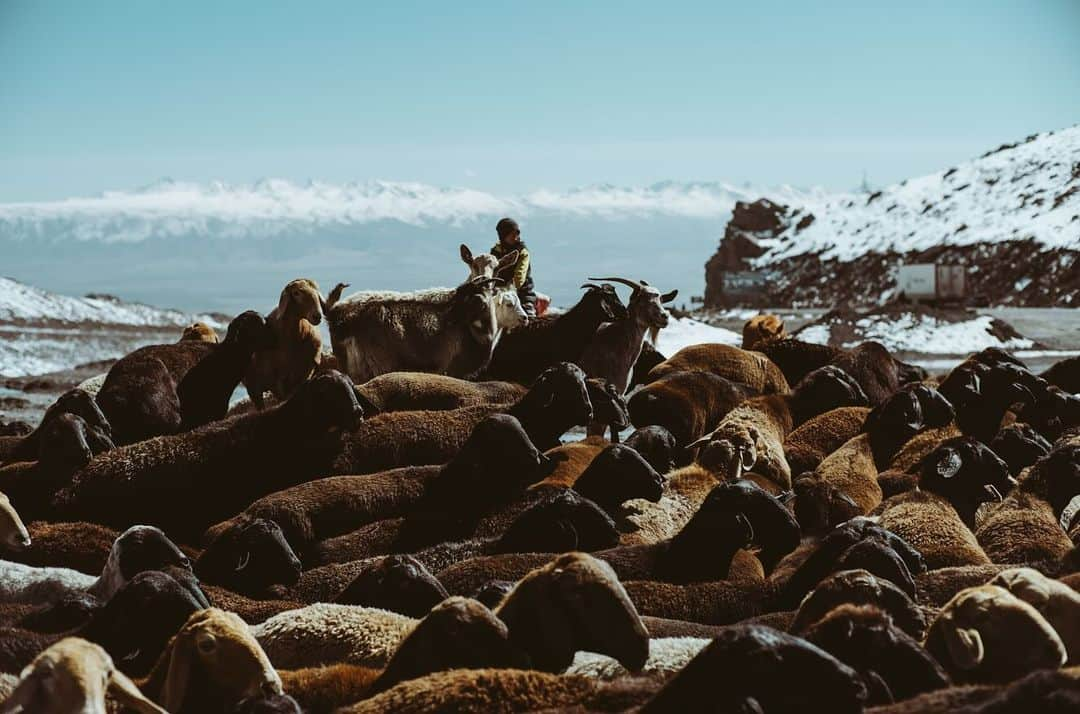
pixel 562 394
pixel 214 652
pixel 618 474
pixel 1019 446
pixel 987 634
pixel 609 407
pixel 824 389
pixel 820 505
pixel 13 534
pixel 249 331
pixel 967 473
pixel 249 556
pixel 199 332
pixel 326 403
pixel 656 445
pixel 399 583
pixel 892 423
pixel 558 523
pixel 859 587
pixel 301 299
pixel 573 603
pixel 761 328
pixel 74 675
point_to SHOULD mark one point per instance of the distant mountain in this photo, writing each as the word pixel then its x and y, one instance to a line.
pixel 231 247
pixel 1012 216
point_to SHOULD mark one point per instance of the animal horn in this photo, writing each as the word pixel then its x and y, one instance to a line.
pixel 590 285
pixel 624 281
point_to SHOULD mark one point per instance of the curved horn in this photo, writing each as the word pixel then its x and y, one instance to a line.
pixel 590 285
pixel 624 281
pixel 700 442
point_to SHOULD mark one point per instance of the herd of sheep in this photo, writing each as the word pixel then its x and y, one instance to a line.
pixel 396 525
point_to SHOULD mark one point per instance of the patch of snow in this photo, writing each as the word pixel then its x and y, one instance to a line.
pixel 818 334
pixel 42 351
pixel 922 333
pixel 1021 284
pixel 683 332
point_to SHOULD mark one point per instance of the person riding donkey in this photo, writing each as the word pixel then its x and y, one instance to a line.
pixel 510 240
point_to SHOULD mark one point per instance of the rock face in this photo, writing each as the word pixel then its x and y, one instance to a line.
pixel 750 224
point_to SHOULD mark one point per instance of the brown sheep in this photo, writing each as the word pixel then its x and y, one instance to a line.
pixel 850 474
pixel 816 438
pixel 76 401
pixel 199 332
pixel 297 345
pixel 753 369
pixel 421 391
pixel 687 404
pixel 931 524
pixel 761 328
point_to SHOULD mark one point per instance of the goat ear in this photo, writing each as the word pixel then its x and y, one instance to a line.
pixel 965 646
pixel 179 672
pixel 466 254
pixel 668 297
pixel 129 696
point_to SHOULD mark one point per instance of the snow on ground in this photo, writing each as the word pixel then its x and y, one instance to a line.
pixel 40 351
pixel 922 333
pixel 1024 191
pixel 682 332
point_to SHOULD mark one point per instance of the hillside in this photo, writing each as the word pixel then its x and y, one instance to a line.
pixel 1012 216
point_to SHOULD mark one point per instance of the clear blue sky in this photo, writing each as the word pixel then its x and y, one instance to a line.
pixel 516 96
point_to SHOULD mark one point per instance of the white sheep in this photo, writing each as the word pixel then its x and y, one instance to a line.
pixel 667 655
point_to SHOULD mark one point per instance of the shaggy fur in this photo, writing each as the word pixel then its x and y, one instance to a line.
pixel 752 369
pixel 687 404
pixel 816 438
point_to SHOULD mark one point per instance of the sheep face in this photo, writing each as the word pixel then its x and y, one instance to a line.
pixel 137 623
pixel 301 298
pixel 608 405
pixel 764 670
pixel 830 387
pixel 573 603
pixel 249 331
pixel 13 534
pixel 326 403
pixel 936 409
pixel 1060 470
pixel 249 557
pixel 859 587
pixel 760 328
pixel 458 633
pixel 509 314
pixel 79 403
pixel 66 444
pixel 561 390
pixel 892 423
pixel 966 473
pixel 492 592
pixel 618 474
pixel 656 445
pixel 730 453
pixel 557 524
pixel 142 548
pixel 199 332
pixel 819 505
pixel 216 652
pixel 893 664
pixel 1019 446
pixel 74 675
pixel 1053 411
pixel 399 583
pixel 743 510
pixel 987 634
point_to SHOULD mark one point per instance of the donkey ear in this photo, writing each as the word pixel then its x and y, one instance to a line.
pixel 466 254
pixel 668 297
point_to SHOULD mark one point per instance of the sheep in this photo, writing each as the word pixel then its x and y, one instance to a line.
pixel 446 331
pixel 1045 691
pixel 249 556
pixel 572 602
pixel 891 662
pixel 609 408
pixel 296 348
pixel 816 438
pixel 497 455
pixel 1057 602
pixel 399 583
pixel 859 587
pixel 761 328
pixel 486 265
pixel 199 332
pixel 753 369
pixel 734 516
pixel 987 634
pixel 210 665
pixel 67 444
pixel 751 436
pixel 164 389
pixel 667 655
pixel 74 675
pixel 614 349
pixel 656 445
pixel 1019 446
pixel 847 475
pixel 570 460
pixel 74 401
pixel 133 626
pixel 687 404
pixel 13 533
pixel 557 401
pixel 982 395
pixel 420 391
pixel 857 544
pixel 1064 374
pixel 547 340
pixel 138 548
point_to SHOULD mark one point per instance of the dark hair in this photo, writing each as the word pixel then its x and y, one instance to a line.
pixel 506 226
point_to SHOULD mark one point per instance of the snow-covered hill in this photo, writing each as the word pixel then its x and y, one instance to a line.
pixel 22 304
pixel 1012 216
pixel 1028 190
